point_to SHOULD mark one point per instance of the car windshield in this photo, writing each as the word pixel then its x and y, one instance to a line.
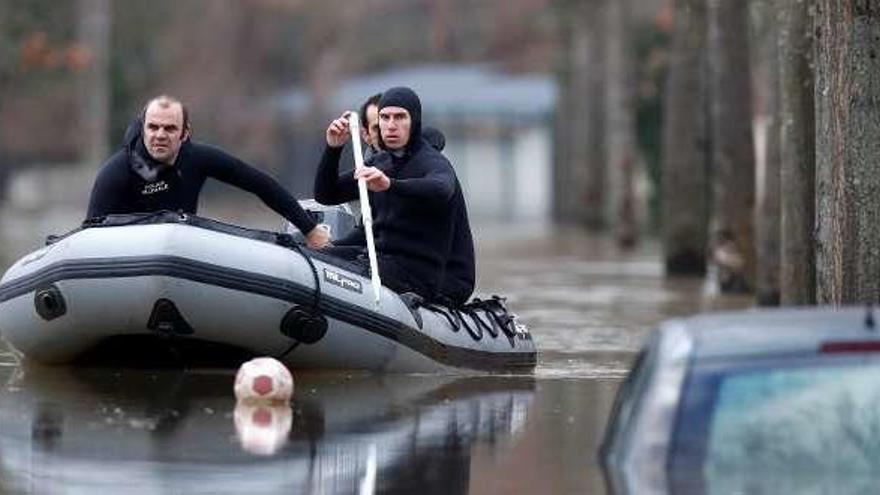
pixel 790 422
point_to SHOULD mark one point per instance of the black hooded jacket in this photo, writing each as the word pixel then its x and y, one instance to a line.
pixel 130 181
pixel 421 221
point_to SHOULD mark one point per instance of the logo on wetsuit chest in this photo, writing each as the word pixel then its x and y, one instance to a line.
pixel 155 187
pixel 343 281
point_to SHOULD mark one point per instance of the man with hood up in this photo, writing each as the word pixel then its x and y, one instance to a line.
pixel 420 219
pixel 160 168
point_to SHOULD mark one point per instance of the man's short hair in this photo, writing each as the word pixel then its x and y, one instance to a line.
pixel 165 101
pixel 373 100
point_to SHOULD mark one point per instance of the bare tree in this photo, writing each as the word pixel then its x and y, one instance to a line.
pixel 797 152
pixel 685 216
pixel 621 130
pixel 767 218
pixel 579 161
pixel 847 151
pixel 563 132
pixel 732 145
pixel 590 143
pixel 94 36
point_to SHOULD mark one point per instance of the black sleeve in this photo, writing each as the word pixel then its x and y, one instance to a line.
pixel 108 192
pixel 331 187
pixel 357 237
pixel 435 188
pixel 225 167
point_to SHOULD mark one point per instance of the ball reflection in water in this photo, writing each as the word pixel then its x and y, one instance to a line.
pixel 262 428
pixel 263 379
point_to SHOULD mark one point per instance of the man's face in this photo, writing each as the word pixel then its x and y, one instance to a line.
pixel 371 133
pixel 163 131
pixel 394 124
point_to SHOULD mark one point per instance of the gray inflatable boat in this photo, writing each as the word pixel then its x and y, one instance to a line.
pixel 173 286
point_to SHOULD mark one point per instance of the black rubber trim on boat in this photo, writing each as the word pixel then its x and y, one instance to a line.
pixel 49 303
pixel 282 289
pixel 303 326
pixel 169 266
pixel 166 320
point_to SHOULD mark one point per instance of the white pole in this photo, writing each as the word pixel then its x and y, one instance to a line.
pixel 366 212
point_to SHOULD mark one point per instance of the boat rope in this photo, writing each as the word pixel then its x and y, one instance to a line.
pixel 287 351
pixel 94 222
pixel 471 330
pixel 317 292
pixel 287 240
pixel 486 316
pixel 136 219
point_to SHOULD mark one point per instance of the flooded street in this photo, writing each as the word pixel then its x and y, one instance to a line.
pixel 590 307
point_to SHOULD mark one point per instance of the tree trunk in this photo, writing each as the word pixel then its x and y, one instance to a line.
pixel 563 133
pixel 732 146
pixel 767 220
pixel 797 151
pixel 579 170
pixel 592 141
pixel 621 137
pixel 578 118
pixel 847 151
pixel 685 218
pixel 94 36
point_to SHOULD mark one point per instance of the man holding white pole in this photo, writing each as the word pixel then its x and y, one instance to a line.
pixel 419 215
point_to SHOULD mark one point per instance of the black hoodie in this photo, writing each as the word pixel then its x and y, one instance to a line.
pixel 421 221
pixel 130 181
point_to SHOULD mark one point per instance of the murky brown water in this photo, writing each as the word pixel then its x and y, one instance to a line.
pixel 65 430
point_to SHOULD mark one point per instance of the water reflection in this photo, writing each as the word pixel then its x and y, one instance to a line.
pixel 85 430
pixel 262 428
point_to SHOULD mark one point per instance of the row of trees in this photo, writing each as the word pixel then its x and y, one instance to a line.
pixel 605 124
pixel 794 218
pixel 72 74
pixel 812 236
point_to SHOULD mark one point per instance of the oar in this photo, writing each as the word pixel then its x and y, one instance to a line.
pixel 366 212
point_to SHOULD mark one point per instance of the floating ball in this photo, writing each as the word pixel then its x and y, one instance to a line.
pixel 263 379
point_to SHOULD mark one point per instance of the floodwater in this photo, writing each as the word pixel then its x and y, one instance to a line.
pixel 590 307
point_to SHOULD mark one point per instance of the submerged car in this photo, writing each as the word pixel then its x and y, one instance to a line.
pixel 769 401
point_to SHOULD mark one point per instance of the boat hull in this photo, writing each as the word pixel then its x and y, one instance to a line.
pixel 191 281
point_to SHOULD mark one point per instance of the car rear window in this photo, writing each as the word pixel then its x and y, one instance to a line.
pixel 747 421
pixel 624 405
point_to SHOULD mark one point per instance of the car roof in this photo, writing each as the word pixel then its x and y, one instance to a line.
pixel 773 331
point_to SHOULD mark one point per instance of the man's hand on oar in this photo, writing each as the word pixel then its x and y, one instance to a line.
pixel 376 179
pixel 339 131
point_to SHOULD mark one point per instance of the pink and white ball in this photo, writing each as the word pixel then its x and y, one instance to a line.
pixel 263 379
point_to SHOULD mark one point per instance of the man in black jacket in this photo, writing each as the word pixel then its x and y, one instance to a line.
pixel 421 224
pixel 160 168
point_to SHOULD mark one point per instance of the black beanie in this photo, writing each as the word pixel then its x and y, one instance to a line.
pixel 405 98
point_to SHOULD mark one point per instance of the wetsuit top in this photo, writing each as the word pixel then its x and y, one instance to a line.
pixel 130 181
pixel 415 221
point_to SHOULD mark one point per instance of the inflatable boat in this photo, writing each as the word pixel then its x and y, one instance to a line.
pixel 182 287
